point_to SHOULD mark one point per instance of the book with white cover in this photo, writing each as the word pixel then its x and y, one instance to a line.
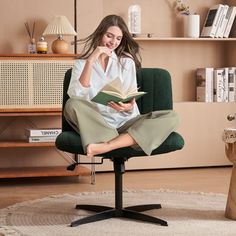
pixel 204 84
pixel 212 21
pixel 232 84
pixel 41 139
pixel 226 84
pixel 42 132
pixel 222 23
pixel 231 15
pixel 220 91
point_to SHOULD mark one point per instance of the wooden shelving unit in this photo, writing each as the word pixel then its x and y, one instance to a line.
pixel 35 171
pixel 39 111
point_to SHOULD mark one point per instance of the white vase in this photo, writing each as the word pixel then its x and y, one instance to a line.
pixel 134 19
pixel 192 26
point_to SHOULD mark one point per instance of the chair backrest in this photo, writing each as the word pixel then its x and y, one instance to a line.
pixel 65 124
pixel 155 81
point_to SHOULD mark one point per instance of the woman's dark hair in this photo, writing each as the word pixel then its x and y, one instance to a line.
pixel 127 47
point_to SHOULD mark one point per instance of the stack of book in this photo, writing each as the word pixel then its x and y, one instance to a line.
pixel 42 135
pixel 216 84
pixel 219 21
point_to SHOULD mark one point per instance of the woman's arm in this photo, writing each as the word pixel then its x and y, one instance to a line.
pixel 81 74
pixel 86 73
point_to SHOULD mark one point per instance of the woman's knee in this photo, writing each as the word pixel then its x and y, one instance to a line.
pixel 69 106
pixel 73 103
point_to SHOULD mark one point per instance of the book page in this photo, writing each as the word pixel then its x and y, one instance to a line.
pixel 115 85
pixel 113 93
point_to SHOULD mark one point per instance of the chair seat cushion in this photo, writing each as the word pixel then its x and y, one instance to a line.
pixel 70 141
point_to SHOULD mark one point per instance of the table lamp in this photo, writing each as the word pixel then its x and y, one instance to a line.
pixel 59 26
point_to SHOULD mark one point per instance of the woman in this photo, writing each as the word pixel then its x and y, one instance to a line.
pixel 111 52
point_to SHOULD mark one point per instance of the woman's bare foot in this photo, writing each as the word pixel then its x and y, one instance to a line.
pixel 95 149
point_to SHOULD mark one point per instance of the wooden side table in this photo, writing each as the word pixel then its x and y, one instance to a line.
pixel 229 137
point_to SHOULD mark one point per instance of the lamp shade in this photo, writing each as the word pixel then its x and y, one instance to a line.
pixel 59 25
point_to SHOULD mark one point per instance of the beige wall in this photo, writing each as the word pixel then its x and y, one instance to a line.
pixel 180 58
pixel 14 13
pixel 158 17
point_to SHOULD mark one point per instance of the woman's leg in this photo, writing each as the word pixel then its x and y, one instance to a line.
pixel 151 131
pixel 123 140
pixel 147 131
pixel 88 122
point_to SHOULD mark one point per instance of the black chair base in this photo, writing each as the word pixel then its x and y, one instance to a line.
pixel 132 212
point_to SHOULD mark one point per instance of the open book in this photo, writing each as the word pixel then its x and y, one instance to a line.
pixel 113 92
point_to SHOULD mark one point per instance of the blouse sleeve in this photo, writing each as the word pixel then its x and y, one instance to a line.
pixel 75 87
pixel 129 75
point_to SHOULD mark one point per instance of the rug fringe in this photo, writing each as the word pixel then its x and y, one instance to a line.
pixel 173 191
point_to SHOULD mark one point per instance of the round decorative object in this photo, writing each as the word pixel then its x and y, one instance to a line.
pixel 229 135
pixel 60 46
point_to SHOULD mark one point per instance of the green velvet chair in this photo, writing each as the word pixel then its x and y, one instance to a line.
pixel 157 83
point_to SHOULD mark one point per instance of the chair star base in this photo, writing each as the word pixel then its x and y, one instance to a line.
pixel 132 212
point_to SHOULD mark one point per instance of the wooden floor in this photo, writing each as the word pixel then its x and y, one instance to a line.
pixel 200 179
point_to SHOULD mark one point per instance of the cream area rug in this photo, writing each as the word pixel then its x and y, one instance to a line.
pixel 187 214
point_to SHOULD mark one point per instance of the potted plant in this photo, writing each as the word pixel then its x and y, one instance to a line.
pixel 191 20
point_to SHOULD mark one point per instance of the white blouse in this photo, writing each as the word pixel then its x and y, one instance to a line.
pixel 124 69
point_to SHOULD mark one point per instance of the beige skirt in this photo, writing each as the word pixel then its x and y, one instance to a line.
pixel 149 130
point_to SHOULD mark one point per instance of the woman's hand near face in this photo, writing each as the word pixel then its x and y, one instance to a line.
pixel 122 107
pixel 86 73
pixel 98 52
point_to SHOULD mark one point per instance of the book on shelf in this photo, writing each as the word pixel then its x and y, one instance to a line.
pixel 113 92
pixel 222 23
pixel 221 86
pixel 204 84
pixel 212 21
pixel 231 19
pixel 43 132
pixel 226 83
pixel 41 139
pixel 232 84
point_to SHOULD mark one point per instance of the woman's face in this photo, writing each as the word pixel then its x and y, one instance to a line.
pixel 112 37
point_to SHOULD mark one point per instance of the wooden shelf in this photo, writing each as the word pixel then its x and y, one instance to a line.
pixel 183 39
pixel 30 112
pixel 20 56
pixel 42 171
pixel 25 144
